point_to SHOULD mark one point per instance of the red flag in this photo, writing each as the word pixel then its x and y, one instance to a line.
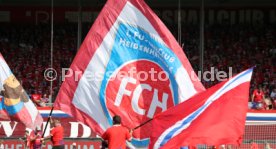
pixel 214 117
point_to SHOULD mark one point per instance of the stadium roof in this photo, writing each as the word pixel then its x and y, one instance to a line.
pixel 152 3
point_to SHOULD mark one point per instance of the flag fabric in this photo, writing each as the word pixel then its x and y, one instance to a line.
pixel 15 103
pixel 3 113
pixel 129 64
pixel 213 117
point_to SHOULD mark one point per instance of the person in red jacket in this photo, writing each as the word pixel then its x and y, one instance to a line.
pixel 35 139
pixel 56 135
pixel 253 145
pixel 117 135
pixel 258 98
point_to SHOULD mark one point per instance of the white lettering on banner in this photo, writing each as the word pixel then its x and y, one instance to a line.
pixel 152 50
pixel 86 131
pixel 169 16
pixel 8 129
pixel 11 129
pixel 17 146
pixel 11 147
pixel 75 130
pixel 21 146
pixel 213 16
pixel 138 36
pixel 78 147
pixel 137 93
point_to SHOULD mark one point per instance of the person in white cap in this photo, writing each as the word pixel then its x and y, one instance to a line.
pixel 74 145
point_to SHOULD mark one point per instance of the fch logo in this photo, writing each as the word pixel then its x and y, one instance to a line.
pixel 139 89
pixel 139 80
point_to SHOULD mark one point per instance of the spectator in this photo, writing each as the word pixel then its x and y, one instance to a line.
pixel 273 94
pixel 45 99
pixel 74 145
pixel 253 145
pixel 35 138
pixel 267 146
pixel 273 97
pixel 258 98
pixel 38 100
pixel 268 104
pixel 2 144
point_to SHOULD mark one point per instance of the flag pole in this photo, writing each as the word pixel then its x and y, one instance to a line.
pixel 201 38
pixel 179 23
pixel 142 124
pixel 51 61
pixel 49 118
pixel 51 49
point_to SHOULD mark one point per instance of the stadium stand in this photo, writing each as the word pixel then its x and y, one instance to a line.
pixel 27 50
pixel 236 46
pixel 239 47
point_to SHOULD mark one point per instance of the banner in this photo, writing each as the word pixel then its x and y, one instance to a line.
pixel 68 143
pixel 130 65
pixel 74 129
pixel 189 15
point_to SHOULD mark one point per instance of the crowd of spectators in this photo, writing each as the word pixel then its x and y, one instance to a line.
pixel 27 51
pixel 236 48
